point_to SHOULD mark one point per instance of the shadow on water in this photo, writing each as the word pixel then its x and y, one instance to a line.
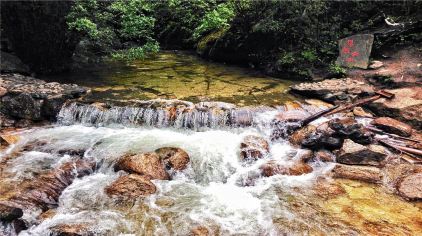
pixel 179 75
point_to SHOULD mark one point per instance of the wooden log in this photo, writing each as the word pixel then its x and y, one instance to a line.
pixel 316 116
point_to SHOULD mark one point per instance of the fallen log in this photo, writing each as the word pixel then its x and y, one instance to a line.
pixel 381 94
pixel 316 116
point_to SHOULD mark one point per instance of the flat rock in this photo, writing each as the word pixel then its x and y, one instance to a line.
pixel 393 126
pixel 333 90
pixel 253 147
pixel 273 168
pixel 130 187
pixel 411 187
pixel 362 173
pixel 406 106
pixel 356 154
pixel 173 157
pixel 149 164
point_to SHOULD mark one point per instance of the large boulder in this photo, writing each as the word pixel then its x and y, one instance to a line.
pixel 149 164
pixel 274 168
pixel 12 64
pixel 322 140
pixel 411 187
pixel 393 126
pixel 368 174
pixel 333 90
pixel 356 154
pixel 406 106
pixel 130 187
pixel 349 128
pixel 173 158
pixel 253 147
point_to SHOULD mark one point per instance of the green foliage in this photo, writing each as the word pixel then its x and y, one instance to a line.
pixel 215 20
pixel 115 27
pixel 336 69
pixel 136 53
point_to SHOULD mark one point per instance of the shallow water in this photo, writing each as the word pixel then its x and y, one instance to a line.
pixel 211 192
pixel 179 75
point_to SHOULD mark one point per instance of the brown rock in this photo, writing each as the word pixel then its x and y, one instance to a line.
pixel 9 213
pixel 9 138
pixel 406 106
pixel 200 231
pixel 47 215
pixel 411 187
pixel 354 153
pixel 273 168
pixel 253 147
pixel 328 189
pixel 324 156
pixel 173 157
pixel 3 91
pixel 145 164
pixel 393 126
pixel 292 115
pixel 299 135
pixel 71 230
pixel 376 65
pixel 358 111
pixel 362 173
pixel 131 186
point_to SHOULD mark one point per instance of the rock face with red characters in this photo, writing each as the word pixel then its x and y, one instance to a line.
pixel 355 51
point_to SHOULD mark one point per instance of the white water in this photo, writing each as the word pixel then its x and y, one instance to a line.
pixel 214 191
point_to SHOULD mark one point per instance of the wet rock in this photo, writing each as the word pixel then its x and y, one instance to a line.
pixel 362 173
pixel 173 158
pixel 411 187
pixel 200 231
pixel 130 187
pixel 80 229
pixel 292 115
pixel 304 155
pixel 406 106
pixel 253 147
pixel 145 164
pixel 273 168
pixel 9 139
pixel 376 65
pixel 333 90
pixel 321 140
pixel 318 103
pixel 327 189
pixel 300 135
pixel 348 128
pixel 22 106
pixel 9 213
pixel 324 156
pixel 354 153
pixel 47 215
pixel 164 202
pixel 44 191
pixel 3 91
pixel 358 111
pixel 393 126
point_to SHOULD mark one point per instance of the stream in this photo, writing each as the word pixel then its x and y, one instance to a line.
pixel 217 190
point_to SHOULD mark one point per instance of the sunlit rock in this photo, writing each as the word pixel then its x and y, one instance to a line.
pixel 411 186
pixel 393 126
pixel 173 158
pixel 362 173
pixel 299 135
pixel 144 164
pixel 273 168
pixel 131 186
pixel 80 229
pixel 253 147
pixel 354 153
pixel 200 231
pixel 359 111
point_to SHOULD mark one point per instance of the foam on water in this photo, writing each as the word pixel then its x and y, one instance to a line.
pixel 210 192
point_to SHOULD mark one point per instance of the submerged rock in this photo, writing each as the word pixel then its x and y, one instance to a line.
pixel 80 229
pixel 354 153
pixel 324 156
pixel 253 147
pixel 393 126
pixel 362 173
pixel 300 135
pixel 273 168
pixel 131 186
pixel 173 158
pixel 144 164
pixel 200 231
pixel 411 187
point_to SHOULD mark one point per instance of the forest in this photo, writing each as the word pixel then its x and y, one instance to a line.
pixel 210 117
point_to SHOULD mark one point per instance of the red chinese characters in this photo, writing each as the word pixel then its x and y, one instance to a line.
pixel 347 49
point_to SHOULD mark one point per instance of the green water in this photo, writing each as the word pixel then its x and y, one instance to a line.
pixel 180 75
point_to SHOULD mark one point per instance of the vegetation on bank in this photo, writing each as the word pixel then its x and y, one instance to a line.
pixel 279 37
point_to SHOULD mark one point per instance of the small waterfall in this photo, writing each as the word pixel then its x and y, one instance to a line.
pixel 162 113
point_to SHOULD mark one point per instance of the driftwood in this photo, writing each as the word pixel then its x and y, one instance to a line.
pixel 380 94
pixel 316 116
pixel 412 157
pixel 373 129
